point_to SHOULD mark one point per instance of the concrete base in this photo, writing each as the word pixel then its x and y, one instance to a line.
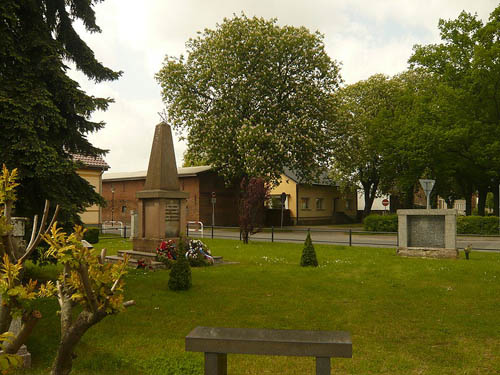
pixel 149 245
pixel 25 356
pixel 428 252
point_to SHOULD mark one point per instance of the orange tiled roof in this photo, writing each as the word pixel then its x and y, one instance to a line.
pixel 92 161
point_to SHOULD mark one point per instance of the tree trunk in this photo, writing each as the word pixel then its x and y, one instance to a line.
pixel 481 204
pixel 28 324
pixel 5 318
pixel 468 204
pixel 370 191
pixel 63 362
pixel 496 195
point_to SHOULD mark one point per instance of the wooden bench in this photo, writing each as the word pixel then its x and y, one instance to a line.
pixel 216 343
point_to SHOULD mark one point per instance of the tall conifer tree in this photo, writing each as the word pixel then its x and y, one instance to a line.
pixel 44 114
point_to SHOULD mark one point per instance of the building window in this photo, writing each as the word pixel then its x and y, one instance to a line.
pixel 348 204
pixel 304 203
pixel 124 209
pixel 320 204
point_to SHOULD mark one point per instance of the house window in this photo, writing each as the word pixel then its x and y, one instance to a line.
pixel 348 204
pixel 124 209
pixel 304 203
pixel 275 201
pixel 320 204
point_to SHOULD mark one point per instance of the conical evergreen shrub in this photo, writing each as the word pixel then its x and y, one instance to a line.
pixel 308 254
pixel 180 274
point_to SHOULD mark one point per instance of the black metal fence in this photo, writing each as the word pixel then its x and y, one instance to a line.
pixel 346 237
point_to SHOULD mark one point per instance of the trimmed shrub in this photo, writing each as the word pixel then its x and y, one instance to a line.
pixel 381 223
pixel 477 225
pixel 180 274
pixel 308 254
pixel 91 235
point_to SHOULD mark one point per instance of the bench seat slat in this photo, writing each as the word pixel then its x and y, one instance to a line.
pixel 270 342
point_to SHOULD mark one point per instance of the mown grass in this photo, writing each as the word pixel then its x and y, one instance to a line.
pixel 406 316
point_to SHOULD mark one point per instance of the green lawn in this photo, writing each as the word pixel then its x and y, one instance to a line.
pixel 406 316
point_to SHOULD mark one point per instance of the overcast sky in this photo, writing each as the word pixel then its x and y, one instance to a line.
pixel 367 37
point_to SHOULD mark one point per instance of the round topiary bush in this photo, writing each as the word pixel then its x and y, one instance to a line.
pixel 180 274
pixel 308 254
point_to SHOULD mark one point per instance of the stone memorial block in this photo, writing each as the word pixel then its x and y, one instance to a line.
pixel 427 233
pixel 162 207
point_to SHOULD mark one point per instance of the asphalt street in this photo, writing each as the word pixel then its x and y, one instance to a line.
pixel 339 237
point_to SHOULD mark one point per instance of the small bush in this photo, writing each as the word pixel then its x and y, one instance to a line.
pixel 477 225
pixel 91 235
pixel 381 223
pixel 180 275
pixel 308 254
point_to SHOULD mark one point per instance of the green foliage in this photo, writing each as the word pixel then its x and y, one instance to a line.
pixel 381 223
pixel 105 281
pixel 253 98
pixel 477 225
pixel 8 362
pixel 180 274
pixel 45 115
pixel 466 70
pixel 308 253
pixel 91 235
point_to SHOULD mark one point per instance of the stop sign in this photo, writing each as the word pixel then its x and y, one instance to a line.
pixel 385 202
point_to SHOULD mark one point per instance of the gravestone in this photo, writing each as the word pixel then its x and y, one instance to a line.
pixel 18 231
pixel 427 233
pixel 162 206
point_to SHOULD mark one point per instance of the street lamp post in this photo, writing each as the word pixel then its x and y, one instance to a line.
pixel 112 205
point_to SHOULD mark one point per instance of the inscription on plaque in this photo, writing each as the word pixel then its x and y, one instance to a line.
pixel 172 212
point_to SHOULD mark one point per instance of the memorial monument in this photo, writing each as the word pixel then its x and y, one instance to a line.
pixel 162 206
pixel 427 233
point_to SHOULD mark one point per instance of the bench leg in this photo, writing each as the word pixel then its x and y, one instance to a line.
pixel 322 365
pixel 215 364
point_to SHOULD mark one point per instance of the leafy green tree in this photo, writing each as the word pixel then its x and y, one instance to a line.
pixel 88 290
pixel 253 98
pixel 466 65
pixel 365 108
pixel 44 115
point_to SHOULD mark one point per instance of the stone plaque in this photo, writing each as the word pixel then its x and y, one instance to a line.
pixel 172 211
pixel 172 217
pixel 426 231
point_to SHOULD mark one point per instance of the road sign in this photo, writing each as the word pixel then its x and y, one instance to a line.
pixel 427 185
pixel 283 198
pixel 385 202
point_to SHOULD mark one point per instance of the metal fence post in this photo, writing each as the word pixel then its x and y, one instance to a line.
pixel 272 233
pixel 125 231
pixel 350 237
pixel 187 229
pixel 212 232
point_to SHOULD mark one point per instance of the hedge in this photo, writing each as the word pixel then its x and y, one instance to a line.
pixel 477 224
pixel 91 235
pixel 381 223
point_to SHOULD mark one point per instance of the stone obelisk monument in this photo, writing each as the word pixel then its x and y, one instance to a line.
pixel 162 206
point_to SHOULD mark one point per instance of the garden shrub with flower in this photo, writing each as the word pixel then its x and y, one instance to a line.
pixel 166 253
pixel 199 254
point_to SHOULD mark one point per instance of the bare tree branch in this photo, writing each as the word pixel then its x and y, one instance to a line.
pixel 84 276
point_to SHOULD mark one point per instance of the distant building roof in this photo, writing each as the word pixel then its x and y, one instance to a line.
pixel 323 179
pixel 141 175
pixel 92 161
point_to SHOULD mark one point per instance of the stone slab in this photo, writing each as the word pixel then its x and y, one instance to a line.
pixel 270 342
pixel 428 252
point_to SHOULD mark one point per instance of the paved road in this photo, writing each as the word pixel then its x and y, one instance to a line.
pixel 342 238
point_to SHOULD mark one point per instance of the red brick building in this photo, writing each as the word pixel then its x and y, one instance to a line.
pixel 118 189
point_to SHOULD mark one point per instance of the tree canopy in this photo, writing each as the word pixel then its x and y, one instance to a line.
pixel 466 66
pixel 44 115
pixel 253 98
